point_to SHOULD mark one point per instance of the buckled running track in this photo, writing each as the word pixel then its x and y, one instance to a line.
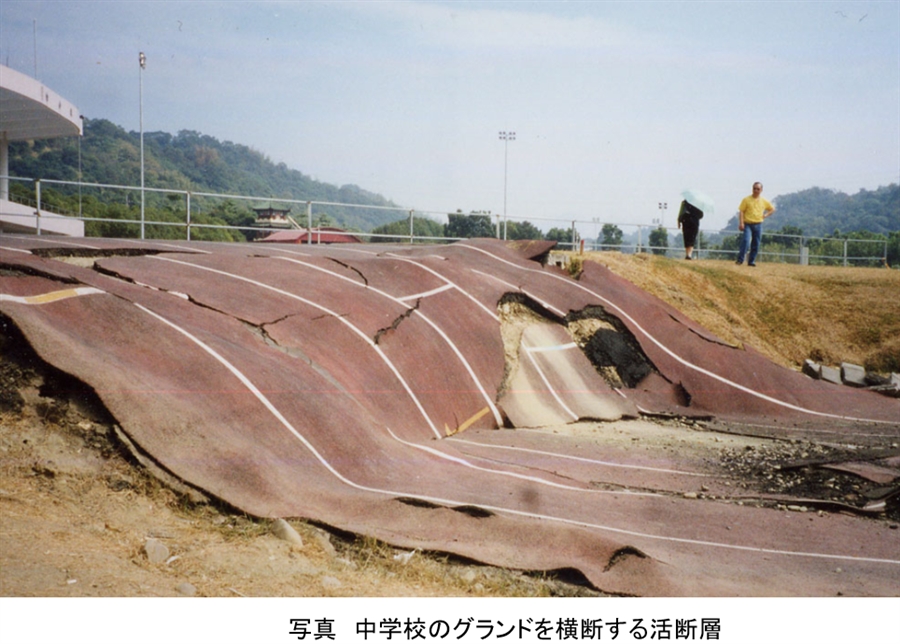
pixel 362 387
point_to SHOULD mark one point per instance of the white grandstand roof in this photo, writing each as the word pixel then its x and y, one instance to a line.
pixel 30 110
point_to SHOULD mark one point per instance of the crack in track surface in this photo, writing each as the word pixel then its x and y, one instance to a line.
pixel 352 268
pixel 396 323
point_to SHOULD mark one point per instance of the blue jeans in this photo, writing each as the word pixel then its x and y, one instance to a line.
pixel 752 235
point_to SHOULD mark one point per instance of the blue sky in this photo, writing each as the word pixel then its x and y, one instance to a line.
pixel 616 106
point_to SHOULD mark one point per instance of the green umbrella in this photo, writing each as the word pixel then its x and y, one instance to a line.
pixel 700 200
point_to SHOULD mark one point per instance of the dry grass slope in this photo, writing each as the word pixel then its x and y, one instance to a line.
pixel 787 312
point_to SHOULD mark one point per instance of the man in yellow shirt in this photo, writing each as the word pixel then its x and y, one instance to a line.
pixel 751 212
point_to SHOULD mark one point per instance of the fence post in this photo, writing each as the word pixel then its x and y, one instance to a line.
pixel 845 253
pixel 4 166
pixel 309 222
pixel 37 213
pixel 411 226
pixel 187 210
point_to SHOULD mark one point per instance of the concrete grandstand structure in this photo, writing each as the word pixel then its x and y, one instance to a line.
pixel 30 110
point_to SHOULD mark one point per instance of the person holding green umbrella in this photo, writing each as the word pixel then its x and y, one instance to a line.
pixel 689 215
pixel 689 221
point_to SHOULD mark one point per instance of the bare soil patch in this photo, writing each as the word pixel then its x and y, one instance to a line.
pixel 77 512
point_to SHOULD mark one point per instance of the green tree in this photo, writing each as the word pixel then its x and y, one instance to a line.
pixel 787 236
pixel 123 225
pixel 563 236
pixel 214 234
pixel 323 220
pixel 818 211
pixel 422 227
pixel 469 226
pixel 659 241
pixel 893 249
pixel 188 161
pixel 611 236
pixel 865 248
pixel 702 241
pixel 522 230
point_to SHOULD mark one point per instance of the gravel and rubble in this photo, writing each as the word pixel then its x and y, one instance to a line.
pixel 799 470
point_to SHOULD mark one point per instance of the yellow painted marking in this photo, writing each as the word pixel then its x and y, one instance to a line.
pixel 52 296
pixel 467 424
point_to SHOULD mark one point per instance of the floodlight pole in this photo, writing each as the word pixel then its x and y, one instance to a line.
pixel 80 176
pixel 142 60
pixel 506 137
pixel 662 213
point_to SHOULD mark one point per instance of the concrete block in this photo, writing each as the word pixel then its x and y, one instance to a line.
pixel 891 388
pixel 877 380
pixel 812 369
pixel 831 374
pixel 853 375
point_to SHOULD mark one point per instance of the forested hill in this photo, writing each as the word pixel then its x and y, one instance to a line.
pixel 193 161
pixel 187 161
pixel 821 212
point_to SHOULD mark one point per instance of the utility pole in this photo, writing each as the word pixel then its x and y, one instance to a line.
pixel 142 59
pixel 506 137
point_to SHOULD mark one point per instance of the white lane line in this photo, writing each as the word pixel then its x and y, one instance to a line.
pixel 344 248
pixel 530 350
pixel 329 312
pixel 503 510
pixel 452 284
pixel 524 477
pixel 52 296
pixel 672 354
pixel 153 243
pixel 184 249
pixel 547 384
pixel 447 280
pixel 581 459
pixel 434 291
pixel 17 250
pixel 56 241
pixel 432 256
pixel 519 289
pixel 557 347
pixel 259 396
pixel 288 250
pixel 498 418
pixel 440 454
pixel 472 298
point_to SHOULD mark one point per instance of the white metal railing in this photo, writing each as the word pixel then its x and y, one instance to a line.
pixel 637 241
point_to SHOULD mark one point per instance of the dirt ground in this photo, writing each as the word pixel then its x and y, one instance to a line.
pixel 80 516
